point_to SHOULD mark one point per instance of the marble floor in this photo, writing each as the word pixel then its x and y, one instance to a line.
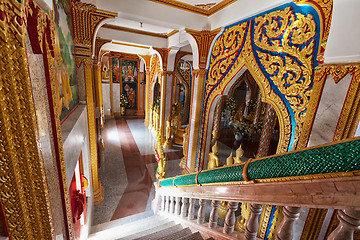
pixel 128 169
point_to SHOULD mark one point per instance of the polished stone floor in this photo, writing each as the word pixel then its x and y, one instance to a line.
pixel 128 168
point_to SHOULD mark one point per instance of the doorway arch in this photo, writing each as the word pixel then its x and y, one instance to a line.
pixel 282 64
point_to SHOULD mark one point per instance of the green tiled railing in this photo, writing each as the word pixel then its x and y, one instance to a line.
pixel 334 158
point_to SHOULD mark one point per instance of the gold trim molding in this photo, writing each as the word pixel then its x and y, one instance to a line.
pixel 195 9
pixel 131 30
pixel 130 45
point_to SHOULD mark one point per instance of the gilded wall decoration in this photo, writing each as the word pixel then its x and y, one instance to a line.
pixel 155 70
pixel 25 198
pixel 324 9
pixel 183 71
pixel 279 48
pixel 203 40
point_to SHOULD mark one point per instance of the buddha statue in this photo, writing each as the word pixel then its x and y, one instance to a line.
pixel 239 154
pixel 214 160
pixel 168 133
pixel 230 160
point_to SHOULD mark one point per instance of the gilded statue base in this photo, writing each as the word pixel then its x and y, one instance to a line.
pixel 178 136
pixel 168 144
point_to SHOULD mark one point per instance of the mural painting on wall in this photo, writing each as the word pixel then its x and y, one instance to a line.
pixel 105 74
pixel 116 70
pixel 130 89
pixel 64 65
pixel 129 71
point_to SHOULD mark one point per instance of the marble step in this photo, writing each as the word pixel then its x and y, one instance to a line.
pixel 121 221
pixel 179 234
pixel 194 236
pixel 148 231
pixel 125 230
pixel 163 233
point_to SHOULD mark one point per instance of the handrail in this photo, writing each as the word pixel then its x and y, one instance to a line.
pixel 326 176
pixel 334 193
pixel 337 159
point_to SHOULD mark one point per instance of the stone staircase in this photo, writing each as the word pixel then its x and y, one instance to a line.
pixel 147 228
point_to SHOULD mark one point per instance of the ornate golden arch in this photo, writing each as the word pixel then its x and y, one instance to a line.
pixel 280 48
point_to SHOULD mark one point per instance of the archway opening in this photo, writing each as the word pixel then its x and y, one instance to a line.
pixel 240 118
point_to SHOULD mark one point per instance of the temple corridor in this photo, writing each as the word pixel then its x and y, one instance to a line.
pixel 128 169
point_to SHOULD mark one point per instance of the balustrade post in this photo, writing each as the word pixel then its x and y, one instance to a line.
pixel 191 215
pixel 177 206
pixel 253 223
pixel 184 207
pixel 201 212
pixel 214 213
pixel 171 210
pixel 230 218
pixel 349 222
pixel 291 214
pixel 167 201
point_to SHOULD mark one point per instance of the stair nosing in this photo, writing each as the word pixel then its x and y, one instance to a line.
pixel 184 229
pixel 110 224
pixel 143 233
pixel 125 227
pixel 173 229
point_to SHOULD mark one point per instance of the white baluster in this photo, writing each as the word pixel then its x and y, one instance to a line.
pixel 214 214
pixel 252 223
pixel 291 214
pixel 184 207
pixel 191 215
pixel 171 210
pixel 163 199
pixel 167 204
pixel 201 212
pixel 177 206
pixel 349 222
pixel 230 217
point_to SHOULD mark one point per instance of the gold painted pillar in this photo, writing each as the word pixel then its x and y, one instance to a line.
pixel 217 118
pixel 98 92
pixel 162 107
pixel 111 90
pixel 97 188
pixel 195 118
pixel 203 40
pixel 147 96
pixel 98 87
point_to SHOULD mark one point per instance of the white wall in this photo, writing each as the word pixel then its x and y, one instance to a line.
pixel 343 42
pixel 329 109
pixel 242 9
pixel 153 13
pixel 76 140
pixel 116 97
pixel 133 38
pixel 106 98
